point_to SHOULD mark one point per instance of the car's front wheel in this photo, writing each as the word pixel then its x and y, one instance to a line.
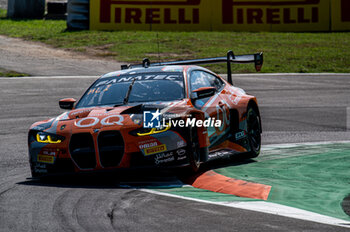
pixel 254 132
pixel 194 156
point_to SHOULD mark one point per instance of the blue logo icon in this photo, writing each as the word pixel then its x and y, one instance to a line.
pixel 151 119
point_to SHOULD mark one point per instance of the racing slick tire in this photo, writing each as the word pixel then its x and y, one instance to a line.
pixel 254 132
pixel 195 154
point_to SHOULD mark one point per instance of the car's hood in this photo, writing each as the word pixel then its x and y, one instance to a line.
pixel 98 117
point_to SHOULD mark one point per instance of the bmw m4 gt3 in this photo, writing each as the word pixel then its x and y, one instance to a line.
pixel 150 115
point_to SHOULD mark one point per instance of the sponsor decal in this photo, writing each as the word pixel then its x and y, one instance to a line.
pixel 49 152
pixel 181 154
pixel 240 135
pixel 148 145
pixel 112 120
pixel 37 170
pixel 40 168
pixel 37 165
pixel 251 13
pixel 129 78
pixel 87 122
pixel 108 13
pixel 246 15
pixel 219 154
pixel 155 149
pixel 137 121
pixel 164 158
pixel 181 144
pixel 45 159
pixel 107 121
pixel 99 89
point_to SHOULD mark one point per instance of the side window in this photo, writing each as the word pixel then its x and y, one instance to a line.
pixel 203 79
pixel 198 80
pixel 214 81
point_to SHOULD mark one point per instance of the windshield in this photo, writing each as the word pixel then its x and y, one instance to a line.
pixel 147 87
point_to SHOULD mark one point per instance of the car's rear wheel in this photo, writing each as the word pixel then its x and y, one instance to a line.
pixel 254 132
pixel 194 156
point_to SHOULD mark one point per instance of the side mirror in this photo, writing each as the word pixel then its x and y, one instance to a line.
pixel 67 103
pixel 203 92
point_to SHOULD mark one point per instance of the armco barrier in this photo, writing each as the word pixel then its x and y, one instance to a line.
pixel 220 15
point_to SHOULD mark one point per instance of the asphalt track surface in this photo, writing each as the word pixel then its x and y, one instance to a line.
pixel 38 59
pixel 295 108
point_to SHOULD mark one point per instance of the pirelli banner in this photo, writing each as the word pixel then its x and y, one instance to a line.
pixel 220 15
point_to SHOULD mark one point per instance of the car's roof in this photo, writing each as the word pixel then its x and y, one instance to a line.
pixel 154 69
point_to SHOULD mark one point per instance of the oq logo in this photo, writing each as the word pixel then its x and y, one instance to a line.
pixel 151 119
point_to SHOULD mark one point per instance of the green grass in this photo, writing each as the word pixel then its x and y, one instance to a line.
pixel 284 52
pixel 7 73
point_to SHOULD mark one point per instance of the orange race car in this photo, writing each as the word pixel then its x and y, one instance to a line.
pixel 169 114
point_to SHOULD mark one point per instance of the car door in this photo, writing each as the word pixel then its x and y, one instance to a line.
pixel 213 106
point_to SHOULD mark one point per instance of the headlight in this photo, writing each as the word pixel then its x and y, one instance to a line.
pixel 150 131
pixel 43 137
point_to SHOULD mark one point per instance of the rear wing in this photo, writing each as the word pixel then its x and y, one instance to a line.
pixel 257 59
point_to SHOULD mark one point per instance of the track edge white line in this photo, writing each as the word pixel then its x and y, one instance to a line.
pixel 266 207
pixel 291 145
